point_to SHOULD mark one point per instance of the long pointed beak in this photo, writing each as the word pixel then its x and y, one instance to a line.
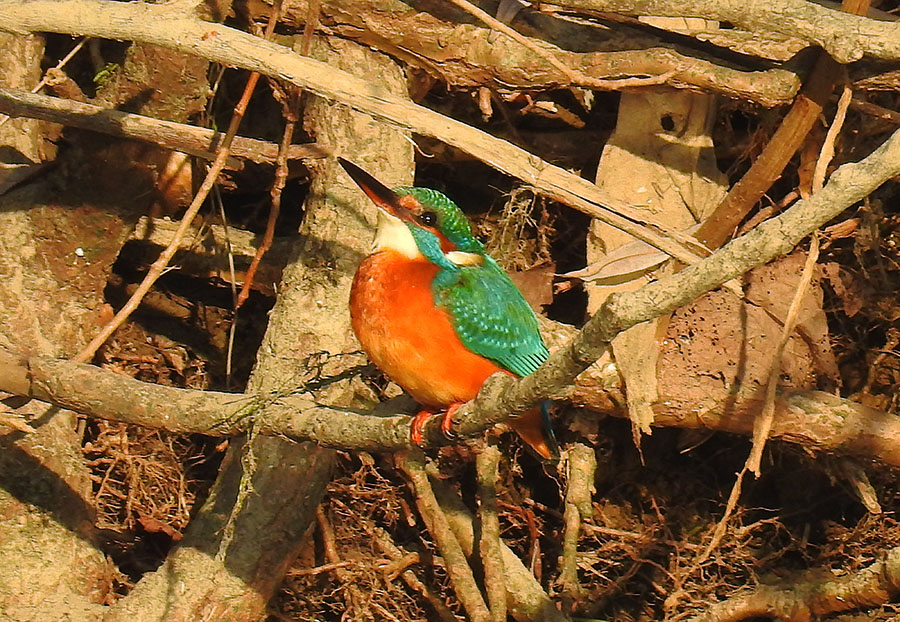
pixel 380 194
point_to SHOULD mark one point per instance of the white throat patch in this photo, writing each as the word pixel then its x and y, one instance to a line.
pixel 393 234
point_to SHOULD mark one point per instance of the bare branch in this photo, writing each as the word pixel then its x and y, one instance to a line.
pixel 845 37
pixel 196 141
pixel 471 56
pixel 874 585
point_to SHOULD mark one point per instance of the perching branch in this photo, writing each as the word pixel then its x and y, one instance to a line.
pixel 848 427
pixel 815 420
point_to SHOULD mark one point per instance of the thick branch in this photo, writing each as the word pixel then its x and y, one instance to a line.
pixel 772 238
pixel 845 37
pixel 471 55
pixel 155 23
pixel 816 421
pixel 875 585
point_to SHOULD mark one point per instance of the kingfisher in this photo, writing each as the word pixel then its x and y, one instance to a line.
pixel 436 313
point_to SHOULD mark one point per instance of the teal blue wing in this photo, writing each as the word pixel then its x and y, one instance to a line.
pixel 492 318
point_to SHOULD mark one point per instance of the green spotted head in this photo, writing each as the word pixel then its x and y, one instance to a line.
pixel 420 222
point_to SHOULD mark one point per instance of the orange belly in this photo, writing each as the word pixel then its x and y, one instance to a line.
pixel 407 337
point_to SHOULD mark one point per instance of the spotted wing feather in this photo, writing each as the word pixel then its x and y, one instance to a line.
pixel 492 319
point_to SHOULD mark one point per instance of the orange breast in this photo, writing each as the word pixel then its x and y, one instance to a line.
pixel 407 337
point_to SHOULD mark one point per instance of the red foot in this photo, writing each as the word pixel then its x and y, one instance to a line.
pixel 447 421
pixel 417 428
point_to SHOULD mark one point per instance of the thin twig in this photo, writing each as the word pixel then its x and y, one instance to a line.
pixel 290 102
pixel 826 154
pixel 764 422
pixel 329 546
pixel 281 174
pixel 46 78
pixel 309 28
pixel 229 251
pixel 306 572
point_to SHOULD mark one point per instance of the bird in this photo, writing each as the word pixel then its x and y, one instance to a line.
pixel 437 314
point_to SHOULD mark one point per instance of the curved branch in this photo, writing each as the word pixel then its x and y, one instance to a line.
pixel 501 396
pixel 845 37
pixel 872 586
pixel 469 55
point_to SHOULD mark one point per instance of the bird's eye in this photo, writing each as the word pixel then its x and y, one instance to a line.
pixel 428 219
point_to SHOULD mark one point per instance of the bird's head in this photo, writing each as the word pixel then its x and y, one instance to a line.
pixel 419 222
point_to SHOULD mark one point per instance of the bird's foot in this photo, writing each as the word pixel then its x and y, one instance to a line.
pixel 417 427
pixel 447 421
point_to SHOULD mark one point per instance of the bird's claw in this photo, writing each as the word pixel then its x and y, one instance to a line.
pixel 447 422
pixel 417 427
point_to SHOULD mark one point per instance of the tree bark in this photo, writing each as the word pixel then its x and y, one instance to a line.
pixel 47 307
pixel 238 547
